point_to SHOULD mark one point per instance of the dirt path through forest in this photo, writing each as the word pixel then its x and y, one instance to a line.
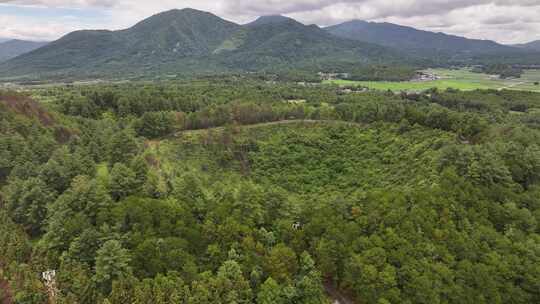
pixel 274 123
pixel 6 297
pixel 335 295
pixel 5 293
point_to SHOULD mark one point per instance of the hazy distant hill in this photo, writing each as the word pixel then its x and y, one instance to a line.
pixel 415 41
pixel 532 46
pixel 191 41
pixel 13 48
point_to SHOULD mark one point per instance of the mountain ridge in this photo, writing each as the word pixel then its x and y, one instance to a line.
pixel 11 48
pixel 189 42
pixel 414 40
pixel 88 51
pixel 271 19
pixel 192 41
pixel 533 45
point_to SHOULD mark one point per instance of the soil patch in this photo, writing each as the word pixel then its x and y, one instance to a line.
pixel 26 106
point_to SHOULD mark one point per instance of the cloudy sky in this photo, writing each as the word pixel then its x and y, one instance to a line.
pixel 506 21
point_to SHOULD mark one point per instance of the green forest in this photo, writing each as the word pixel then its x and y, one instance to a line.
pixel 230 190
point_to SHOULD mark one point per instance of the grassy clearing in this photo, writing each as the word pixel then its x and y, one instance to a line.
pixel 102 173
pixel 527 81
pixel 457 79
pixel 297 155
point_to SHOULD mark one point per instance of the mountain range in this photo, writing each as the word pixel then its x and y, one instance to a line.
pixel 415 41
pixel 193 42
pixel 531 46
pixel 12 48
pixel 188 41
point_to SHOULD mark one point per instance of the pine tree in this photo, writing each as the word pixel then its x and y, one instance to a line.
pixel 270 293
pixel 123 147
pixel 123 182
pixel 112 262
pixel 231 285
pixel 27 203
pixel 309 283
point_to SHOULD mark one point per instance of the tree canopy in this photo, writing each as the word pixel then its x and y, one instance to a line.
pixel 233 191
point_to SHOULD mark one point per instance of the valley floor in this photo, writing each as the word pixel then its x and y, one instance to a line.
pixel 462 79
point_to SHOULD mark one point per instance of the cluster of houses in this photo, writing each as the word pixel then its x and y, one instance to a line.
pixel 424 76
pixel 527 66
pixel 333 76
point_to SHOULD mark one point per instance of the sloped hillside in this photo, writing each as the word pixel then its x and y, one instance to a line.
pixel 413 40
pixel 12 48
pixel 189 42
pixel 277 40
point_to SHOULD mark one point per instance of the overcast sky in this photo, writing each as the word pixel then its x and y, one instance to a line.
pixel 506 21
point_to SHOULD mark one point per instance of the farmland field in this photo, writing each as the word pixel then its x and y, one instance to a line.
pixel 462 79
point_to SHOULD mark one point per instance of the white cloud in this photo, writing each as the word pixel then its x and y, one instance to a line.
pixel 62 3
pixel 32 29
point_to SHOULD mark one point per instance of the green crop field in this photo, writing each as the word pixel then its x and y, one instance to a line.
pixel 462 79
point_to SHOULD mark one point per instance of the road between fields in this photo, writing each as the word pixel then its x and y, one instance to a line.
pixel 511 86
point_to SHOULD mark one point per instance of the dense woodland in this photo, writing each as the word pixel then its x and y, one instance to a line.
pixel 504 71
pixel 381 73
pixel 249 191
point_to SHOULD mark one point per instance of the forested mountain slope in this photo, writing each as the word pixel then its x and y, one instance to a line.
pixel 173 34
pixel 277 40
pixel 12 48
pixel 533 46
pixel 189 42
pixel 415 41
